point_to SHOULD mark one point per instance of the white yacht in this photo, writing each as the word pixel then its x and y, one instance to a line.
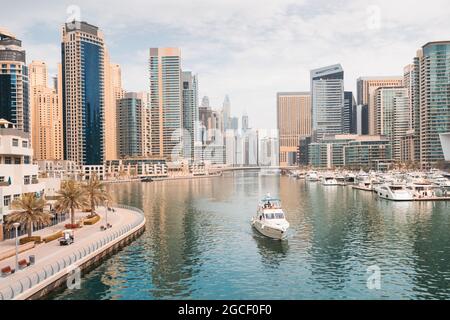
pixel 394 192
pixel 312 176
pixel 422 190
pixel 270 219
pixel 329 181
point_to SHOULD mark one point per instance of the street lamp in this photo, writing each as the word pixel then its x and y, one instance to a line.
pixel 16 226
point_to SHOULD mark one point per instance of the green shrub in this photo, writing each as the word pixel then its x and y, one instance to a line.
pixel 26 240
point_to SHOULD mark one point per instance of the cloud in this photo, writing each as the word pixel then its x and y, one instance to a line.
pixel 247 49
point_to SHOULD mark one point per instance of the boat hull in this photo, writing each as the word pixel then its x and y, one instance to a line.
pixel 268 231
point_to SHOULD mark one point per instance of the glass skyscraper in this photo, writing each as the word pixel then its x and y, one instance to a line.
pixel 190 113
pixel 130 125
pixel 327 89
pixel 14 86
pixel 434 75
pixel 83 93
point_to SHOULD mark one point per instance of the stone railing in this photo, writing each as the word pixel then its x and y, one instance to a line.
pixel 66 264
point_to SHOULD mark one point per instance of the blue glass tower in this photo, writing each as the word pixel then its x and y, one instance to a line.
pixel 83 93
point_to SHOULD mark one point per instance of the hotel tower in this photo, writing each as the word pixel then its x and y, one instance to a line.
pixel 83 65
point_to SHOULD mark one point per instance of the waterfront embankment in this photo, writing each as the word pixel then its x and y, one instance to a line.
pixel 55 263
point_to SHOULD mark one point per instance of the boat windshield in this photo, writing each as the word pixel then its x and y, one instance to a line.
pixel 276 215
pixel 270 203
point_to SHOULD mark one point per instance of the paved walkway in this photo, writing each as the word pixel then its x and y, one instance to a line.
pixel 49 253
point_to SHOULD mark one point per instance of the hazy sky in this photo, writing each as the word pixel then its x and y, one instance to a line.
pixel 249 49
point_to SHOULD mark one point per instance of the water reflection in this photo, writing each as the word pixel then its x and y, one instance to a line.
pixel 199 244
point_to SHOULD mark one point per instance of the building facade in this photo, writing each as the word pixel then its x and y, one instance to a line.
pixel 166 102
pixel 190 113
pixel 366 87
pixel 327 90
pixel 392 116
pixel 434 74
pixel 130 126
pixel 46 115
pixel 293 122
pixel 14 84
pixel 83 66
pixel 18 174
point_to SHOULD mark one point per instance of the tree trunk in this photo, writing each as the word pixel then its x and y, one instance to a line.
pixel 30 230
pixel 72 215
pixel 92 206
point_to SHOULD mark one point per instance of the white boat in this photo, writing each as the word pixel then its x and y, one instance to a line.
pixel 364 185
pixel 329 181
pixel 270 219
pixel 422 190
pixel 312 176
pixel 394 192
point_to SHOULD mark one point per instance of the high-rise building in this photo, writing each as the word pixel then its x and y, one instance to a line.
pixel 226 113
pixel 113 93
pixel 349 113
pixel 293 123
pixel 166 102
pixel 83 66
pixel 14 85
pixel 392 116
pixel 46 115
pixel 366 87
pixel 327 90
pixel 190 113
pixel 130 125
pixel 434 74
pixel 234 124
pixel 411 143
pixel 245 124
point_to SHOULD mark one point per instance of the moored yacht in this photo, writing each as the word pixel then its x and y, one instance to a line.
pixel 329 181
pixel 270 219
pixel 394 192
pixel 312 176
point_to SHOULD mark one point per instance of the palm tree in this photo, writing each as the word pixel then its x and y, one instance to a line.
pixel 29 210
pixel 71 197
pixel 95 192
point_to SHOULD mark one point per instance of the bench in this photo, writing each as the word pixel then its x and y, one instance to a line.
pixel 6 271
pixel 23 264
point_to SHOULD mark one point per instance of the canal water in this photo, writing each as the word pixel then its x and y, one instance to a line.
pixel 199 244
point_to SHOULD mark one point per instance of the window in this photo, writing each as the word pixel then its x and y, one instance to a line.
pixel 24 144
pixel 8 160
pixel 26 160
pixel 2 179
pixel 6 201
pixel 16 196
pixel 16 160
pixel 26 180
pixel 15 142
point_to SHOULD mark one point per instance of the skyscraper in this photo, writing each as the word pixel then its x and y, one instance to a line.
pixel 166 102
pixel 226 113
pixel 366 87
pixel 349 113
pixel 113 93
pixel 46 115
pixel 14 86
pixel 245 124
pixel 130 125
pixel 293 123
pixel 83 51
pixel 434 75
pixel 327 89
pixel 190 113
pixel 411 82
pixel 392 116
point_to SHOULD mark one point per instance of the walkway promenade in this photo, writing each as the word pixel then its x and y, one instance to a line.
pixel 54 262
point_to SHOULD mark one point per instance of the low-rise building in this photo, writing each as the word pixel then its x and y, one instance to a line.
pixel 18 174
pixel 350 151
pixel 128 168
